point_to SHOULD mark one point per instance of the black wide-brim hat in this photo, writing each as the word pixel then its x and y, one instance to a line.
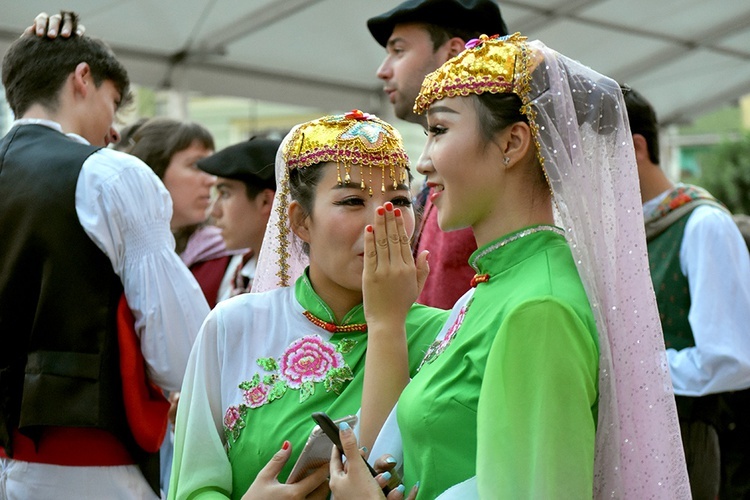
pixel 480 16
pixel 251 161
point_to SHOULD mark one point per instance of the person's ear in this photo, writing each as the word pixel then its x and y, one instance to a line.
pixel 516 141
pixel 298 220
pixel 82 79
pixel 640 145
pixel 455 46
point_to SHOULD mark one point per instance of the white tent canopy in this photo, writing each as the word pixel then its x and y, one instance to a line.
pixel 687 56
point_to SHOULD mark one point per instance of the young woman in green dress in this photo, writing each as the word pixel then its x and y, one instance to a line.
pixel 549 378
pixel 264 362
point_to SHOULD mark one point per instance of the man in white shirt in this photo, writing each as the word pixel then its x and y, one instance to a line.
pixel 701 273
pixel 81 226
pixel 245 188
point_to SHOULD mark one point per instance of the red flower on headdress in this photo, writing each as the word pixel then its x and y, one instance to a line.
pixel 356 114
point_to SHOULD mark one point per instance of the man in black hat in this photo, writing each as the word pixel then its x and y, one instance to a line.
pixel 246 185
pixel 419 36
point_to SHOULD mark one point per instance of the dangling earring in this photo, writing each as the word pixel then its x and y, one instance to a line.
pixel 506 160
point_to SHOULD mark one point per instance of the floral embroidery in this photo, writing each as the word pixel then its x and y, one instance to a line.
pixel 437 347
pixel 255 392
pixel 681 195
pixel 305 362
pixel 308 360
pixel 233 423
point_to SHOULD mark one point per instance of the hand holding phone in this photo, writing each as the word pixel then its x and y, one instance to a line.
pixel 332 430
pixel 317 450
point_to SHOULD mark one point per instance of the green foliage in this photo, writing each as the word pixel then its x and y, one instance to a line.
pixel 725 172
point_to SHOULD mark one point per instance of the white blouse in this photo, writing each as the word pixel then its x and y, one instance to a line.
pixel 126 211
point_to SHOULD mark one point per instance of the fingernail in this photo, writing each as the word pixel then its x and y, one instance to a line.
pixel 416 485
pixel 368 228
pixel 285 446
pixel 388 206
pixel 390 460
pixel 364 448
pixel 397 212
pixel 386 475
pixel 344 427
pixel 381 211
pixel 52 32
pixel 401 488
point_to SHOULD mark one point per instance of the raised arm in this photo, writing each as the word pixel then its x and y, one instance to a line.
pixel 391 284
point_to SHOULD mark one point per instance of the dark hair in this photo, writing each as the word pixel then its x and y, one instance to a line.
pixel 36 68
pixel 157 140
pixel 302 184
pixel 126 135
pixel 439 34
pixel 642 118
pixel 495 112
pixel 252 190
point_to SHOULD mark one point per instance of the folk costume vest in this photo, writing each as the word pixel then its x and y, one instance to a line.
pixel 59 363
pixel 665 229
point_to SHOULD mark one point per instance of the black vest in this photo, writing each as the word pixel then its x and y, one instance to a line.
pixel 59 357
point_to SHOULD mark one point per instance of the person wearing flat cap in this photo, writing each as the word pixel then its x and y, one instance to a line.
pixel 246 186
pixel 419 36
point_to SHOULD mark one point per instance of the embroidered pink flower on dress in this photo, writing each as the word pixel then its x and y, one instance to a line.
pixel 256 396
pixel 308 359
pixel 231 417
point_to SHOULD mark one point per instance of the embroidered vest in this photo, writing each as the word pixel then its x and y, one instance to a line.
pixel 671 286
pixel 58 295
pixel 664 233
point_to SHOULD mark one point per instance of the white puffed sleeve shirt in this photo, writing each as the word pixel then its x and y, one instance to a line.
pixel 126 211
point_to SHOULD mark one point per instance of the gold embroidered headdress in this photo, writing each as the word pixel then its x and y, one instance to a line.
pixel 500 65
pixel 352 140
pixel 355 138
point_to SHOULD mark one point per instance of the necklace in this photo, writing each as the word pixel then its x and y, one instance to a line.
pixel 333 328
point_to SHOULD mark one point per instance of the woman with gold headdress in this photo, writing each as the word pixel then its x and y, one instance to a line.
pixel 263 362
pixel 549 378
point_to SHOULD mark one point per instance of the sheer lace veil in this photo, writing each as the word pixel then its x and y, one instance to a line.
pixel 282 259
pixel 585 145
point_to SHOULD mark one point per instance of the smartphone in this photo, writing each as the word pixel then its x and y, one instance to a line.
pixel 317 450
pixel 331 429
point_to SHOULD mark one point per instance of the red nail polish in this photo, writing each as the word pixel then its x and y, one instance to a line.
pixel 381 211
pixel 285 446
pixel 368 228
pixel 388 206
pixel 397 212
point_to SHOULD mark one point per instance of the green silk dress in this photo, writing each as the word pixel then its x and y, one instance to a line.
pixel 508 392
pixel 258 370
